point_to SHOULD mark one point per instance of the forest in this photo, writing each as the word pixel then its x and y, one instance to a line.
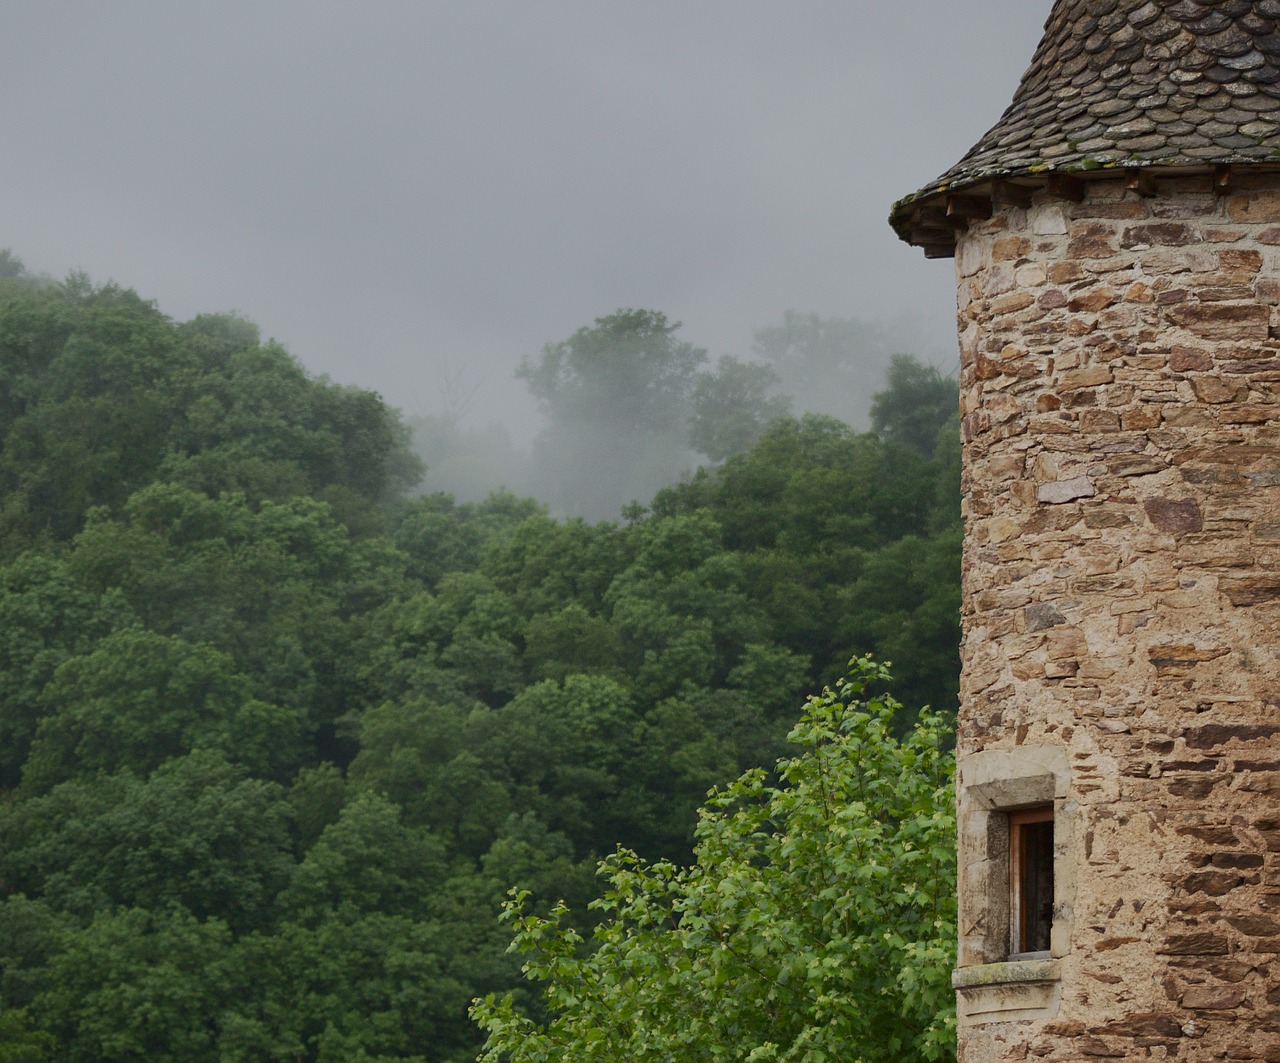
pixel 281 724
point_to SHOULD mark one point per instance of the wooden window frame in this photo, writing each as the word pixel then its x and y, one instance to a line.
pixel 1019 918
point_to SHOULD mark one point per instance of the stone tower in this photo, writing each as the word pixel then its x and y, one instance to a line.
pixel 1117 247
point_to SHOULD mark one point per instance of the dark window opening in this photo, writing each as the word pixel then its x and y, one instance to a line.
pixel 1030 880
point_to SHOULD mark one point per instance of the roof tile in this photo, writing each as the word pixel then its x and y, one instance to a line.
pixel 1186 83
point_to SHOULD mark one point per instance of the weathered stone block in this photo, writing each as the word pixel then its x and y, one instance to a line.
pixel 1252 590
pixel 1099 421
pixel 1176 516
pixel 1244 322
pixel 1010 248
pixel 1260 206
pixel 1214 389
pixel 1098 1049
pixel 1255 925
pixel 1092 301
pixel 1160 234
pixel 1143 1024
pixel 1200 943
pixel 1213 883
pixel 1135 464
pixel 1092 240
pixel 1201 998
pixel 1211 735
pixel 1183 359
pixel 1060 491
pixel 1012 302
pixel 1043 615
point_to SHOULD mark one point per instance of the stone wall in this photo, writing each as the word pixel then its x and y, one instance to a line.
pixel 1120 396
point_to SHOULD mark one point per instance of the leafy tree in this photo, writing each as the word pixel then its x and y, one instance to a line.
pixel 11 266
pixel 628 369
pixel 365 987
pixel 733 406
pixel 315 800
pixel 565 751
pixel 807 514
pixel 140 698
pixel 905 602
pixel 917 403
pixel 946 488
pixel 100 394
pixel 46 616
pixel 818 922
pixel 440 536
pixel 21 1041
pixel 571 641
pixel 617 396
pixel 139 985
pixel 29 933
pixel 424 757
pixel 544 564
pixel 197 833
pixel 367 860
pixel 271 585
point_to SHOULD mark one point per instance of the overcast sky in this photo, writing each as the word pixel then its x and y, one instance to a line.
pixel 406 192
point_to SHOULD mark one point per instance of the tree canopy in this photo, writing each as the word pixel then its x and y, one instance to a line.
pixel 817 921
pixel 277 734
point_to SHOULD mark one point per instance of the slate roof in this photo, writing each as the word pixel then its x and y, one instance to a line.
pixel 1133 83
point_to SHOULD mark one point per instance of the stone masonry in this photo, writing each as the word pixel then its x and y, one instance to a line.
pixel 1117 246
pixel 1120 402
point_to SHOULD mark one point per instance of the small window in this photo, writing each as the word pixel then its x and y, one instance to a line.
pixel 1030 881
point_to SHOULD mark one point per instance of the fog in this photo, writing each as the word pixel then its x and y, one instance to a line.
pixel 414 196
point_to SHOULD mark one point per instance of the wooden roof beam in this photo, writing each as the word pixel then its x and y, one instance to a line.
pixel 922 235
pixel 1222 179
pixel 1064 186
pixel 1008 194
pixel 968 208
pixel 936 217
pixel 1140 181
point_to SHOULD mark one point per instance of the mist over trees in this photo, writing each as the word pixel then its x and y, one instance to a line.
pixel 278 731
pixel 617 397
pixel 630 407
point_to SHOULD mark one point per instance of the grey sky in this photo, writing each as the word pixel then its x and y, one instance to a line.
pixel 402 191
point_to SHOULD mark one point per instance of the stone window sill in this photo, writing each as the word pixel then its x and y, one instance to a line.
pixel 1008 991
pixel 1010 972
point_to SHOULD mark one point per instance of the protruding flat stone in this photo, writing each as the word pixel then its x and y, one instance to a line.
pixel 1066 490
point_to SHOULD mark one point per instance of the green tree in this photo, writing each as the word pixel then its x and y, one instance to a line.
pixel 21 1042
pixel 365 987
pixel 197 833
pixel 139 985
pixel 628 368
pixel 46 617
pixel 101 393
pixel 817 923
pixel 140 698
pixel 368 860
pixel 617 396
pixel 733 406
pixel 11 266
pixel 915 405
